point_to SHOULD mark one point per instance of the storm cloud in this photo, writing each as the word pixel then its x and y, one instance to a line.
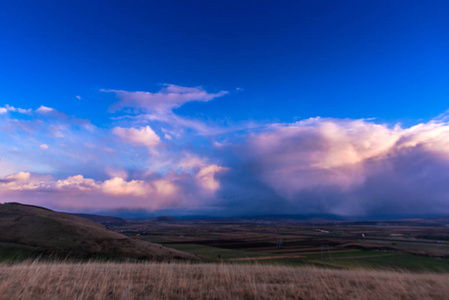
pixel 342 167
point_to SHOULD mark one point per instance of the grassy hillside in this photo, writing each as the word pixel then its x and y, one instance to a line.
pixel 211 281
pixel 350 259
pixel 30 231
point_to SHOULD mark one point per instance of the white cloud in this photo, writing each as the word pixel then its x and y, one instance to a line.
pixel 138 136
pixel 44 109
pixel 44 146
pixel 15 109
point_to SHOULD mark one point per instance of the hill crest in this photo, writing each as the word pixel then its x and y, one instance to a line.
pixel 37 230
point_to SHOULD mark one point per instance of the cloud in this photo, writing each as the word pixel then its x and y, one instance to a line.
pixel 77 182
pixel 119 187
pixel 44 110
pixel 138 136
pixel 343 167
pixel 76 145
pixel 169 97
pixel 116 173
pixel 206 177
pixel 79 193
pixel 90 168
pixel 189 161
pixel 166 188
pixel 157 108
pixel 23 181
pixel 22 176
pixel 329 148
pixel 8 108
pixel 179 124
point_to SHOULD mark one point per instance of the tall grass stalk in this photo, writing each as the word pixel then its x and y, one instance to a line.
pixel 95 280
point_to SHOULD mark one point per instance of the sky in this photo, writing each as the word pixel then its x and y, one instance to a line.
pixel 226 108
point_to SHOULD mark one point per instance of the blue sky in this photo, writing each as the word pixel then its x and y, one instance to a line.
pixel 229 74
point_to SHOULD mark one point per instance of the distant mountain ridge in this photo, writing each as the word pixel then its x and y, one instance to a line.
pixel 117 223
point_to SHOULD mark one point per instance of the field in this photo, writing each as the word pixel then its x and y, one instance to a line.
pixel 219 258
pixel 40 280
pixel 413 245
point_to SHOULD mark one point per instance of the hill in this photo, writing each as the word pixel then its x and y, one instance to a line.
pixel 35 231
pixel 105 220
pixel 120 222
pixel 165 219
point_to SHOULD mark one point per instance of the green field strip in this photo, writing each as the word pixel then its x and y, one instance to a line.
pixel 215 253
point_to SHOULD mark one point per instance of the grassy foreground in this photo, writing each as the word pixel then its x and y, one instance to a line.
pixel 39 280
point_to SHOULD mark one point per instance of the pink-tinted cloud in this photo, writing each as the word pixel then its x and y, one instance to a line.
pixel 206 177
pixel 330 149
pixel 74 147
pixel 119 187
pixel 158 107
pixel 143 108
pixel 182 191
pixel 319 165
pixel 77 182
pixel 138 136
pixel 23 181
pixel 168 98
pixel 343 167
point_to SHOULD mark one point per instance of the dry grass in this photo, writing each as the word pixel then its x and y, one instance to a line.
pixel 39 280
pixel 36 229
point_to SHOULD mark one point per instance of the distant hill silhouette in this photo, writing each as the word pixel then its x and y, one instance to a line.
pixel 164 219
pixel 105 220
pixel 30 231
